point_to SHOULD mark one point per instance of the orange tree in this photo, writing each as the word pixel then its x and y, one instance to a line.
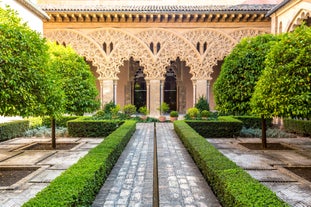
pixel 284 89
pixel 24 83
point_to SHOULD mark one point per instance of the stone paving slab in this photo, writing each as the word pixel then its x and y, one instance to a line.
pixel 46 176
pixel 5 155
pixel 27 158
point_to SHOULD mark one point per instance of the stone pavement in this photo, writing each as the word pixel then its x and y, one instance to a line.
pixel 180 183
pixel 131 181
pixel 270 167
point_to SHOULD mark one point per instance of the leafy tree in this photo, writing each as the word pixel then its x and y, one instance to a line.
pixel 284 89
pixel 239 74
pixel 23 57
pixel 76 82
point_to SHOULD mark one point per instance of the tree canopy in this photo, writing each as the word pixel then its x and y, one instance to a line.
pixel 284 89
pixel 77 81
pixel 23 57
pixel 239 74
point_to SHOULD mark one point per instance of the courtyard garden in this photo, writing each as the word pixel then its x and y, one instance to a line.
pixel 264 77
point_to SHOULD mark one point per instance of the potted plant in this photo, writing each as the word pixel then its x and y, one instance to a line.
pixel 193 112
pixel 173 115
pixel 204 114
pixel 163 109
pixel 144 111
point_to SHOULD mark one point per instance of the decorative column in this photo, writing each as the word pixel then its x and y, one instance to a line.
pixel 203 89
pixel 194 84
pixel 107 91
pixel 148 94
pixel 115 83
pixel 155 97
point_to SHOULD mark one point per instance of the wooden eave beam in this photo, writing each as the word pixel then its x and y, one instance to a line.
pixel 154 18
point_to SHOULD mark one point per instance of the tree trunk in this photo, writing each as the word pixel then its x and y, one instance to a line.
pixel 53 133
pixel 263 132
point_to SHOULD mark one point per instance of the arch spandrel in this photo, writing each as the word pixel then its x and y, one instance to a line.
pixel 125 45
pixel 217 46
pixel 82 44
pixel 172 45
pixel 302 15
pixel 239 34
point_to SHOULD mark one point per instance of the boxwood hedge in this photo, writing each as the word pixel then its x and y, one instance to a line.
pixel 86 127
pixel 231 184
pixel 13 129
pixel 302 127
pixel 79 184
pixel 224 126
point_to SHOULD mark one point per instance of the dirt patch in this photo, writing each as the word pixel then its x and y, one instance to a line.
pixel 48 146
pixel 304 172
pixel 10 176
pixel 270 146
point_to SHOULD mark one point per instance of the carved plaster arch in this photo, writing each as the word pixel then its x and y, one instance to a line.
pixel 82 44
pixel 302 15
pixel 125 45
pixel 239 34
pixel 218 45
pixel 172 45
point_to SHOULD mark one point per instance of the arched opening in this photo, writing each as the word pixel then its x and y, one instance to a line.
pixel 170 87
pixel 140 89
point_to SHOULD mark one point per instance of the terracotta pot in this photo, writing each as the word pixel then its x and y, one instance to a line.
pixel 162 118
pixel 173 118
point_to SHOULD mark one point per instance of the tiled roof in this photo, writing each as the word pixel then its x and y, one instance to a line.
pixel 34 8
pixel 160 8
pixel 277 7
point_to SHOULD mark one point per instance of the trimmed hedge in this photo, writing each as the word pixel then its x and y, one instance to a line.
pixel 224 126
pixel 302 127
pixel 60 121
pixel 253 121
pixel 79 184
pixel 85 127
pixel 13 129
pixel 231 184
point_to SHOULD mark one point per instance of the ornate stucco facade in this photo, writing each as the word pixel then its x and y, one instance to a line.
pixel 147 52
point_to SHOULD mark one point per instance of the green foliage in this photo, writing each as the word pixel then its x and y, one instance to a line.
pixel 284 89
pixel 301 127
pixel 270 133
pixel 143 110
pixel 193 112
pixel 108 106
pixel 13 129
pixel 164 108
pixel 23 58
pixel 173 114
pixel 61 121
pixel 79 184
pixel 114 111
pixel 223 127
pixel 205 113
pixel 84 127
pixel 34 122
pixel 44 131
pixel 77 81
pixel 232 185
pixel 239 74
pixel 129 109
pixel 202 104
pixel 253 121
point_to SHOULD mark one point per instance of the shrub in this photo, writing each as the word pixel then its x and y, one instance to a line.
pixel 231 184
pixel 173 114
pixel 205 113
pixel 84 127
pixel 129 109
pixel 108 106
pixel 193 112
pixel 80 183
pixel 302 127
pixel 202 104
pixel 13 129
pixel 35 122
pixel 44 131
pixel 164 108
pixel 271 133
pixel 143 110
pixel 224 126
pixel 60 121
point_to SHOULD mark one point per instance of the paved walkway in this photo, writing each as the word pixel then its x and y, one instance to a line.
pixel 131 181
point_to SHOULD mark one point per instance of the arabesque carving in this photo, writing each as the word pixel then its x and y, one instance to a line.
pixel 124 45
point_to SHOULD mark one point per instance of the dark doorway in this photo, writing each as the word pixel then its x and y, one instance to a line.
pixel 140 89
pixel 170 89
